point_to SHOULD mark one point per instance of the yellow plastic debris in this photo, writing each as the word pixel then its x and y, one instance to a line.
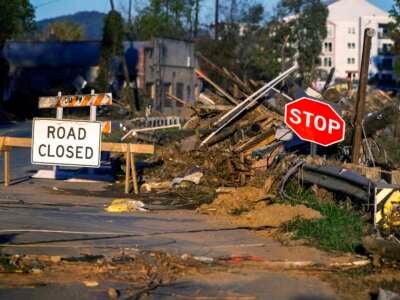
pixel 391 210
pixel 125 205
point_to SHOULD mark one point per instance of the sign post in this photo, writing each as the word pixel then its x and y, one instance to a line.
pixel 315 121
pixel 66 143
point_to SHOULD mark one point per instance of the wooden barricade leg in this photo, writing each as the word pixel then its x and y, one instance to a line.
pixel 127 169
pixel 134 174
pixel 7 157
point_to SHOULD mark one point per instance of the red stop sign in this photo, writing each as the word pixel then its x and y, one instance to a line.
pixel 314 121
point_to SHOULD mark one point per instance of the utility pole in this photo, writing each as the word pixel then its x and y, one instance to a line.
pixel 130 13
pixel 196 18
pixel 112 4
pixel 216 19
pixel 360 104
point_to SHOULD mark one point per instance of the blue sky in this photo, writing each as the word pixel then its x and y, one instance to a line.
pixel 53 8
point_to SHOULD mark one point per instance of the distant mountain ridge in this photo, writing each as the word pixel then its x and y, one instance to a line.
pixel 92 22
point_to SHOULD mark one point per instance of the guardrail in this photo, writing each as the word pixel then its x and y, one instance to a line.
pixel 7 143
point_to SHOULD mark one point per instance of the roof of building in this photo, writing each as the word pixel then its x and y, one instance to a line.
pixel 52 54
pixel 62 54
pixel 350 9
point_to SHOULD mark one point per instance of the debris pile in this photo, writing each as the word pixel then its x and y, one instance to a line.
pixel 235 145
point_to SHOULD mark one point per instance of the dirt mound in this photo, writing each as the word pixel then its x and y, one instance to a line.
pixel 245 207
pixel 233 201
pixel 275 215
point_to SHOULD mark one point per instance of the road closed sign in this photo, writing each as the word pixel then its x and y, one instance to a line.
pixel 315 121
pixel 66 143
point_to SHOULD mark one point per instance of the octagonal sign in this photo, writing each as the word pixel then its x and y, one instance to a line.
pixel 315 121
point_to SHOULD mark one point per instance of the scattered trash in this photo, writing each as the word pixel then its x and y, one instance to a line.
pixel 194 177
pixel 36 271
pixel 150 186
pixel 55 259
pixel 125 206
pixel 204 259
pixel 90 283
pixel 113 293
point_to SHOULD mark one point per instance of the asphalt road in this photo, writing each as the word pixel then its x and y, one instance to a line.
pixel 36 212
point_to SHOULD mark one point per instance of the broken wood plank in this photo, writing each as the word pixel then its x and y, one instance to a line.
pixel 7 167
pixel 224 134
pixel 216 86
pixel 215 107
pixel 254 141
pixel 179 100
pixel 242 108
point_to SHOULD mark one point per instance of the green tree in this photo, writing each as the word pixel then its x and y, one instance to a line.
pixel 160 18
pixel 310 32
pixel 394 28
pixel 237 47
pixel 63 31
pixel 294 34
pixel 111 47
pixel 168 18
pixel 16 19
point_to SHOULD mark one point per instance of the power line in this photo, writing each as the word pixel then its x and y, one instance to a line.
pixel 46 3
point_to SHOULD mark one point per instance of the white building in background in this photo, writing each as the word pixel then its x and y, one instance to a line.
pixel 342 48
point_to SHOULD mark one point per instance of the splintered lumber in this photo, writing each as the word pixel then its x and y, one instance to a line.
pixel 209 97
pixel 206 100
pixel 227 74
pixel 244 106
pixel 227 132
pixel 233 77
pixel 257 141
pixel 216 86
pixel 215 107
pixel 179 100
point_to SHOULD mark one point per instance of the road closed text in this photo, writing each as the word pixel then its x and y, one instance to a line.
pixel 66 143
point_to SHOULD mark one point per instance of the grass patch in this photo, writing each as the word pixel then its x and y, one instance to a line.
pixel 340 229
pixel 6 265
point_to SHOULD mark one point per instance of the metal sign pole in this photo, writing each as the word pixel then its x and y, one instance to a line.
pixel 313 149
pixel 59 116
pixel 93 112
